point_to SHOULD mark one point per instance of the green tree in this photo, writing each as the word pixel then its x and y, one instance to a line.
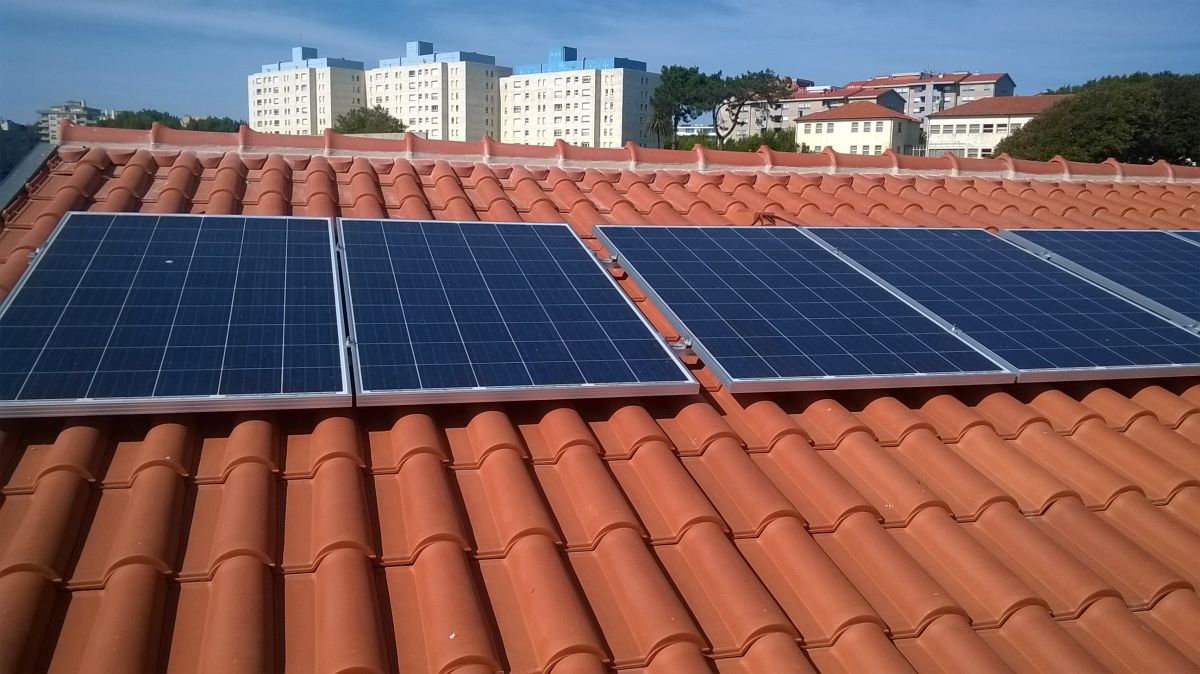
pixel 226 124
pixel 781 140
pixel 368 120
pixel 1139 118
pixel 728 97
pixel 678 99
pixel 142 119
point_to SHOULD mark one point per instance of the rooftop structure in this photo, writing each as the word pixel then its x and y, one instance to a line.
pixel 1012 527
pixel 561 59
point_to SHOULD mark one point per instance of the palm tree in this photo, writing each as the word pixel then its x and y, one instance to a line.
pixel 660 124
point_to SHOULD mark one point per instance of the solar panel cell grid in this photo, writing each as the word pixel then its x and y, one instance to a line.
pixel 152 308
pixel 1031 313
pixel 772 305
pixel 1153 264
pixel 445 305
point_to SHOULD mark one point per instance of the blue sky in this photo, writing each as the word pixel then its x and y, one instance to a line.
pixel 192 57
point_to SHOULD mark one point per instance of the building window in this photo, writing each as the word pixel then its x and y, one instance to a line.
pixel 989 128
pixel 1001 128
pixel 829 127
pixel 878 127
pixel 960 128
pixel 853 149
pixel 853 129
pixel 819 127
pixel 974 128
pixel 1016 127
pixel 808 127
pixel 935 129
pixel 878 149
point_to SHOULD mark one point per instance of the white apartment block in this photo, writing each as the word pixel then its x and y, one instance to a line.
pixel 601 102
pixel 805 100
pixel 925 92
pixel 974 129
pixel 440 95
pixel 304 96
pixel 859 128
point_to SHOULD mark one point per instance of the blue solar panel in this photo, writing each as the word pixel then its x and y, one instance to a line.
pixel 449 311
pixel 770 309
pixel 1040 318
pixel 133 312
pixel 1190 235
pixel 1152 268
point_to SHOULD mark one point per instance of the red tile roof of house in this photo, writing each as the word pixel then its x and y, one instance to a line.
pixel 858 110
pixel 1004 106
pixel 889 81
pixel 1049 527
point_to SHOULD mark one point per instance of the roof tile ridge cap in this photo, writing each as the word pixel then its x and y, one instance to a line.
pixel 1168 170
pixel 833 159
pixel 701 156
pixel 1060 161
pixel 768 157
pixel 560 151
pixel 243 138
pixel 487 148
pixel 1009 164
pixel 632 149
pixel 954 168
pixel 895 159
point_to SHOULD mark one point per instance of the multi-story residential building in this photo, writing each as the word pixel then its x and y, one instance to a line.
pixel 16 140
pixel 595 102
pixel 925 93
pixel 974 129
pixel 77 111
pixel 806 100
pixel 305 95
pixel 859 128
pixel 442 95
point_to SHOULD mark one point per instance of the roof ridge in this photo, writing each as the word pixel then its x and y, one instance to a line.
pixel 631 157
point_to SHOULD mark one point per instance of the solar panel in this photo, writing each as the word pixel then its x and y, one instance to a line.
pixel 1041 319
pixel 1151 268
pixel 450 311
pixel 1190 235
pixel 769 309
pixel 148 313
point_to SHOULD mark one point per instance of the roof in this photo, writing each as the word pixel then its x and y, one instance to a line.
pixel 1045 527
pixel 858 110
pixel 909 79
pixel 1004 106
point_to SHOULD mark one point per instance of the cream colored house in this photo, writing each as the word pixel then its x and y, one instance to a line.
pixel 759 116
pixel 440 95
pixel 859 128
pixel 974 129
pixel 601 102
pixel 305 95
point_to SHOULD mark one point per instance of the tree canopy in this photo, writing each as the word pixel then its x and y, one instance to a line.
pixel 1139 119
pixel 142 119
pixel 685 93
pixel 368 120
pixel 780 140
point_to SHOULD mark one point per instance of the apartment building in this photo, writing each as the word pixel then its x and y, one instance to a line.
pixel 304 96
pixel 76 111
pixel 806 100
pixel 974 129
pixel 859 128
pixel 925 93
pixel 441 95
pixel 594 102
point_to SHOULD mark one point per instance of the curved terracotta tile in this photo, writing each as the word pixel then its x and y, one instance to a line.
pixel 415 509
pixel 1170 409
pixel 730 603
pixel 823 496
pixel 345 616
pixel 668 502
pixel 488 431
pixel 586 501
pixel 273 189
pixel 123 624
pixel 745 497
pixel 1174 618
pixel 168 442
pixel 232 519
pixel 904 594
pixel 405 197
pixel 124 192
pixel 895 494
pixel 230 629
pixel 541 618
pixel 503 505
pixel 683 657
pixel 862 648
pixel 324 514
pixel 334 435
pixel 488 197
pixel 961 487
pixel 1174 448
pixel 951 417
pixel 29 599
pixel 636 608
pixel 448 197
pixel 437 614
pixel 559 429
pixel 1008 415
pixel 412 434
pixel 544 205
pixel 1157 478
pixel 40 527
pixel 1184 506
pixel 78 448
pixel 1156 532
pixel 253 439
pixel 1030 641
pixel 1122 643
pixel 1033 486
pixel 1139 577
pixel 1064 582
pixel 976 580
pixel 228 186
pixel 817 597
pixel 365 196
pixel 318 196
pixel 949 645
pixel 1092 479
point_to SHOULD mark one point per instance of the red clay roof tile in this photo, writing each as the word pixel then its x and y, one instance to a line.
pixel 1031 528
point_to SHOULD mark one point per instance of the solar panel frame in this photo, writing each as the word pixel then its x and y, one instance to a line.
pixel 369 398
pixel 1115 286
pixel 182 403
pixel 1189 235
pixel 1003 374
pixel 1031 375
